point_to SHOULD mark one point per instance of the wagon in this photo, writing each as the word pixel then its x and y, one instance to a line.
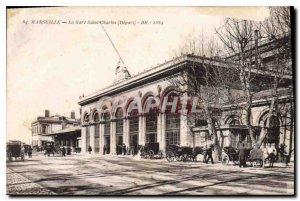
pixel 232 154
pixel 51 149
pixel 14 149
pixel 151 150
pixel 184 153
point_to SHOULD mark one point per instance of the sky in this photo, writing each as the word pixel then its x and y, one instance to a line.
pixel 50 65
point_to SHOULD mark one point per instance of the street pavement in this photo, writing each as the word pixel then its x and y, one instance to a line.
pixel 126 175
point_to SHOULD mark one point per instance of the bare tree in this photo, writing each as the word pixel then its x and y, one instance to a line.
pixel 277 29
pixel 208 83
pixel 238 37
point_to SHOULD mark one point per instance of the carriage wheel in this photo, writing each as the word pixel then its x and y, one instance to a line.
pixel 151 154
pixel 170 156
pixel 225 159
pixel 178 157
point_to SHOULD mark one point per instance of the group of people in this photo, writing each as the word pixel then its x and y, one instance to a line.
pixel 256 156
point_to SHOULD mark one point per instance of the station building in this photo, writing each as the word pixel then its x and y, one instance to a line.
pixel 106 126
pixel 61 130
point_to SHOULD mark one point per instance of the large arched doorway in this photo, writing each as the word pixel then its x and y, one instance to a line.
pixel 237 134
pixel 87 131
pixel 151 120
pixel 119 130
pixel 96 120
pixel 133 118
pixel 273 131
pixel 106 122
pixel 151 127
pixel 172 128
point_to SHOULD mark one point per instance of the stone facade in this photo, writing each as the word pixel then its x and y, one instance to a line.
pixel 119 126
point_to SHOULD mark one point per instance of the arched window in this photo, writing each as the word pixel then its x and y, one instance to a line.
pixel 233 120
pixel 86 118
pixel 96 118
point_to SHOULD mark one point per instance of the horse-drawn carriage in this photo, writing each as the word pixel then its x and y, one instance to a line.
pixel 15 149
pixel 264 158
pixel 150 150
pixel 50 148
pixel 231 154
pixel 177 153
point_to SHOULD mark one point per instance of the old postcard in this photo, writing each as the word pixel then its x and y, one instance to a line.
pixel 150 101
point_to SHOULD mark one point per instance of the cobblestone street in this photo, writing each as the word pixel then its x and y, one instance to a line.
pixel 125 175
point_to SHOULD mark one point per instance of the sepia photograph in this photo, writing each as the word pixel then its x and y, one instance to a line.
pixel 156 101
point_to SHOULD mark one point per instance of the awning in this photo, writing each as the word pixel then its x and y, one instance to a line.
pixel 65 131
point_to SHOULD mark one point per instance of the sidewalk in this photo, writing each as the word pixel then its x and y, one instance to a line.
pixel 19 185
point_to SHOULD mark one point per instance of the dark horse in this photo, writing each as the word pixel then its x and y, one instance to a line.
pixel 185 153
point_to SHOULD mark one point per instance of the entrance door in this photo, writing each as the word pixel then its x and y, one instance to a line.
pixel 133 141
pixel 106 144
pixel 119 144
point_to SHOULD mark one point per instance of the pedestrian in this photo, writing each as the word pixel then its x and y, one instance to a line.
pixel 205 154
pixel 63 151
pixel 124 149
pixel 90 149
pixel 104 149
pixel 272 157
pixel 242 155
pixel 282 153
pixel 22 152
pixel 209 154
pixel 30 152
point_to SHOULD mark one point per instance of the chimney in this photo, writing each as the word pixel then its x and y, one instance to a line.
pixel 47 113
pixel 73 115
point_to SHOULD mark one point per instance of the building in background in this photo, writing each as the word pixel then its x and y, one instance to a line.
pixel 57 128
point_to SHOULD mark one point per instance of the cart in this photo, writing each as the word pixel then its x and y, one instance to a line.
pixel 184 153
pixel 232 154
pixel 151 150
pixel 15 149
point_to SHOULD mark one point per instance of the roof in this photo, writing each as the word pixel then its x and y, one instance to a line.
pixel 66 130
pixel 162 71
pixel 263 45
pixel 56 119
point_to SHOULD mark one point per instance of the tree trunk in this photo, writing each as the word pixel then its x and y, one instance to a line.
pixel 248 108
pixel 213 131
